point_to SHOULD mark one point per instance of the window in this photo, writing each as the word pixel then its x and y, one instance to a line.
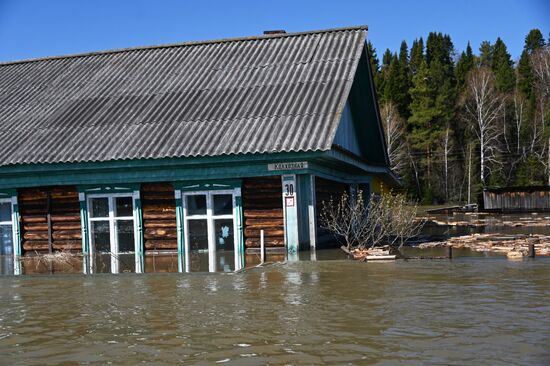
pixel 111 218
pixel 6 227
pixel 209 230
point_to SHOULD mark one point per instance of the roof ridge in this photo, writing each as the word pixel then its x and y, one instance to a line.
pixel 183 44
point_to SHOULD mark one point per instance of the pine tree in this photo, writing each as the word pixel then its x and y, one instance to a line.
pixel 534 40
pixel 386 58
pixel 417 55
pixel 442 76
pixel 373 58
pixel 405 81
pixel 424 129
pixel 391 81
pixel 502 66
pixel 383 75
pixel 485 54
pixel 375 66
pixel 525 75
pixel 463 66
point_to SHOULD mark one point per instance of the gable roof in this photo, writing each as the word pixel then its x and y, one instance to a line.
pixel 272 93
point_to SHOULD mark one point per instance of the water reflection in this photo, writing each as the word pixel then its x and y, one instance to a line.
pixel 468 311
pixel 167 262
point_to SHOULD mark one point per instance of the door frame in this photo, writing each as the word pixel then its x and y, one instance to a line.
pixel 12 223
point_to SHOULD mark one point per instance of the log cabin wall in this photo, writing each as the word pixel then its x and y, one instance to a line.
pixel 324 190
pixel 263 210
pixel 62 229
pixel 159 216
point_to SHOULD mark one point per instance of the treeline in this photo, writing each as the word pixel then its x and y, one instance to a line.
pixel 455 124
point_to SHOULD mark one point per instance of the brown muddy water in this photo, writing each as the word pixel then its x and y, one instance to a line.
pixel 473 310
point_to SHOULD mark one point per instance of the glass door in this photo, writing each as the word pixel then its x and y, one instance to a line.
pixel 111 220
pixel 209 231
pixel 6 227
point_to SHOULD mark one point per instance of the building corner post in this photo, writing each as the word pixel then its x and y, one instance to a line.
pixel 138 217
pixel 307 190
pixel 239 258
pixel 16 219
pixel 179 222
pixel 290 214
pixel 84 223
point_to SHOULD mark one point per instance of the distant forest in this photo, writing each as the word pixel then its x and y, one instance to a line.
pixel 456 123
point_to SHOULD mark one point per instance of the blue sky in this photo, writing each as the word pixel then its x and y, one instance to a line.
pixel 38 28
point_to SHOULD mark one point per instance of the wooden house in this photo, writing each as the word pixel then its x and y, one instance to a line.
pixel 187 147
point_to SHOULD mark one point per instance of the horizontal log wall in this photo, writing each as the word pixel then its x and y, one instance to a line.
pixel 325 190
pixel 64 219
pixel 263 210
pixel 159 216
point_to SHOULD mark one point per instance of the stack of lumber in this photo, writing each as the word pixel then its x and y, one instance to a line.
pixel 369 254
pixel 497 243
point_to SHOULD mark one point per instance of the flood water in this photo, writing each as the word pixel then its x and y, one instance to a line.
pixel 471 310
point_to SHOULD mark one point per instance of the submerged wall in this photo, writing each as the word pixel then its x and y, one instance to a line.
pixel 59 206
pixel 263 210
pixel 158 204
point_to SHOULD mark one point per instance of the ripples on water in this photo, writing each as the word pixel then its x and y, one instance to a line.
pixel 467 311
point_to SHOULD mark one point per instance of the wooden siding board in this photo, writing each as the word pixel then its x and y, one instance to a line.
pixel 55 226
pixel 526 200
pixel 263 210
pixel 158 205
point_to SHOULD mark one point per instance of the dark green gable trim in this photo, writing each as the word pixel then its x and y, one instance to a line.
pixel 139 171
pixel 210 185
pixel 333 164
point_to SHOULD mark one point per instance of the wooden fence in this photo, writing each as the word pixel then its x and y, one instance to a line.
pixel 517 199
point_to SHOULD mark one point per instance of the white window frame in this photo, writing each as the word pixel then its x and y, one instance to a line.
pixel 209 217
pixel 111 219
pixel 12 222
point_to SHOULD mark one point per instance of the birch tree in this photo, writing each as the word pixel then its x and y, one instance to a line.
pixel 483 106
pixel 447 147
pixel 393 130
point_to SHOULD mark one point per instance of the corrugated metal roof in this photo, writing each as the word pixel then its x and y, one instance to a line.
pixel 274 93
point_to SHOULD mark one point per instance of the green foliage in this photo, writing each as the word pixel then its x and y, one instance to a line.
pixel 534 40
pixel 486 54
pixel 397 81
pixel 463 66
pixel 423 112
pixel 417 55
pixel 373 58
pixel 428 197
pixel 502 66
pixel 428 85
pixel 530 172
